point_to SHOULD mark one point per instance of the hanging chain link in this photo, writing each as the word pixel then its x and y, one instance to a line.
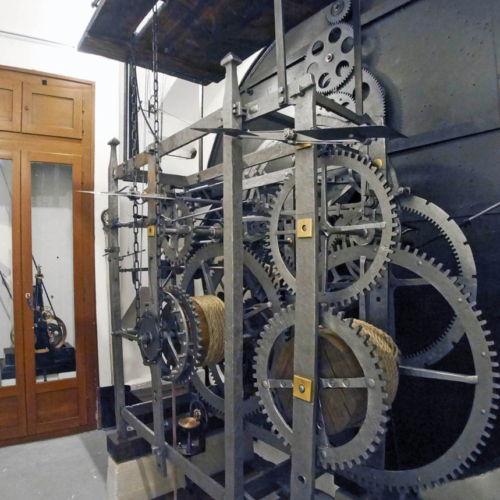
pixel 156 129
pixel 136 274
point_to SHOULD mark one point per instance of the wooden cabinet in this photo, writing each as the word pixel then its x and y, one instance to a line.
pixel 10 105
pixel 50 110
pixel 46 160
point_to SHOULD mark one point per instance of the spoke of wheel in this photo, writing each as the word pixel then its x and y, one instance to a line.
pixel 208 279
pixel 438 375
pixel 174 352
pixel 257 308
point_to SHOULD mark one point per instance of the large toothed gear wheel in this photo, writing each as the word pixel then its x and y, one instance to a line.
pixel 478 419
pixel 204 273
pixel 181 340
pixel 338 11
pixel 466 267
pixel 351 416
pixel 174 343
pixel 330 58
pixel 176 247
pixel 280 237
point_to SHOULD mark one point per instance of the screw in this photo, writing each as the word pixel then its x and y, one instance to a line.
pixel 329 57
pixel 281 90
pixel 281 100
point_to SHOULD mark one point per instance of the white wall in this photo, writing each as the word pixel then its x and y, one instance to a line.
pixel 64 22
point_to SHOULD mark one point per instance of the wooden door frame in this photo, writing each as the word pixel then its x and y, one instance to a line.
pixel 18 390
pixel 13 141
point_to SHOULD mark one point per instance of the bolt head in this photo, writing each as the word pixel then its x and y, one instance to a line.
pixel 281 100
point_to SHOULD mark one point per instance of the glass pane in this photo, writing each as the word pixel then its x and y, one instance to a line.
pixel 53 287
pixel 7 360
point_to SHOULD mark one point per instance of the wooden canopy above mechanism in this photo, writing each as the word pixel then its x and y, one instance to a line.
pixel 194 35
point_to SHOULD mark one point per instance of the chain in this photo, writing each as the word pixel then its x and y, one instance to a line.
pixel 156 128
pixel 136 275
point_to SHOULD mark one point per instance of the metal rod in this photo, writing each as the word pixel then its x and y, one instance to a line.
pixel 358 69
pixel 438 375
pixel 200 142
pixel 280 52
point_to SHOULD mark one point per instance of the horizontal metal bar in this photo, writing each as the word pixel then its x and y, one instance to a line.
pixel 397 282
pixel 279 384
pixel 334 107
pixel 126 334
pixel 343 383
pixel 206 483
pixel 172 143
pixel 361 229
pixel 438 375
pixel 266 179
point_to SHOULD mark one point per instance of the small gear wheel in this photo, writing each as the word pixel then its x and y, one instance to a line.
pixel 330 58
pixel 338 11
pixel 351 416
pixel 176 247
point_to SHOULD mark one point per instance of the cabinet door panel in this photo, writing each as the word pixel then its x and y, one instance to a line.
pixel 10 105
pixel 54 111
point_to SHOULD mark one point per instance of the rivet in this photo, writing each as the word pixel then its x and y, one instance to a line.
pixel 265 384
pixel 323 454
pixel 483 412
pixel 460 299
pixel 302 388
pixel 346 383
pixel 371 383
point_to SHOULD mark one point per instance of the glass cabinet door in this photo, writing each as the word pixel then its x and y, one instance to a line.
pixel 12 395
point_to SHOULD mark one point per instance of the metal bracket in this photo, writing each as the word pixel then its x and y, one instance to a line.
pixel 239 109
pixel 151 230
pixel 304 228
pixel 302 388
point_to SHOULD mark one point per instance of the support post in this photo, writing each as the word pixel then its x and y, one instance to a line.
pixel 307 312
pixel 280 52
pixel 113 244
pixel 233 283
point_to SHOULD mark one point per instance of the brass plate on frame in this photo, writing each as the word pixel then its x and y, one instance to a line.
pixel 151 230
pixel 302 388
pixel 304 228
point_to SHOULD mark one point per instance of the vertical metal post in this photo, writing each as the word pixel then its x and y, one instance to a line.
pixel 200 142
pixel 113 244
pixel 233 283
pixel 280 52
pixel 307 309
pixel 358 68
pixel 159 448
pixel 159 445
